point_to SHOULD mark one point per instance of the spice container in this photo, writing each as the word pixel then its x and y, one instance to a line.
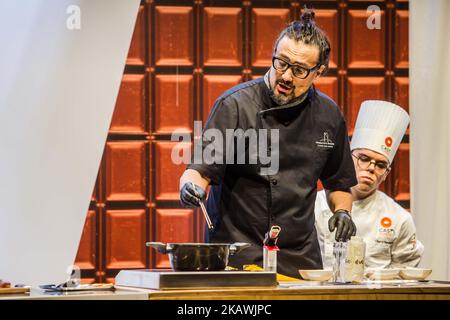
pixel 270 249
pixel 355 259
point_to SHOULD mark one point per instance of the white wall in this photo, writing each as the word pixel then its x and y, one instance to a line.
pixel 57 93
pixel 429 74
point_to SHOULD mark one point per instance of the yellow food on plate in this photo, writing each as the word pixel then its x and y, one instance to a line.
pixel 280 277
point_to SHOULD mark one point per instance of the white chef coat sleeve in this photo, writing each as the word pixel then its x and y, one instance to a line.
pixel 319 224
pixel 406 249
pixel 322 214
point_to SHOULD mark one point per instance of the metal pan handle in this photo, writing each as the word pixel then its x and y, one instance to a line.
pixel 238 246
pixel 160 246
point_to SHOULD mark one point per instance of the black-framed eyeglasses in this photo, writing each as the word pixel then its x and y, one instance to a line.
pixel 364 162
pixel 298 71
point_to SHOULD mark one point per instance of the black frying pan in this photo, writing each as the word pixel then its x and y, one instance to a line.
pixel 198 256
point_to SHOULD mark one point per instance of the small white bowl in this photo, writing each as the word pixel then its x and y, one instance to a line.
pixel 316 275
pixel 415 273
pixel 382 274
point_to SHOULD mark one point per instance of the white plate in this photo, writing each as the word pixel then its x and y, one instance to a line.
pixel 382 274
pixel 415 273
pixel 316 275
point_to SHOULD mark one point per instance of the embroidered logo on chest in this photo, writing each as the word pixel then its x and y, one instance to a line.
pixel 325 141
pixel 386 222
pixel 385 233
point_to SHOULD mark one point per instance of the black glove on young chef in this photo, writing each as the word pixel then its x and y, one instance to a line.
pixel 342 222
pixel 190 197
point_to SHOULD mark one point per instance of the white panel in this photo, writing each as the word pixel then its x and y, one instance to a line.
pixel 57 93
pixel 429 45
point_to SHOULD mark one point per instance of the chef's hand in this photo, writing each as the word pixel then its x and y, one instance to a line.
pixel 342 222
pixel 190 197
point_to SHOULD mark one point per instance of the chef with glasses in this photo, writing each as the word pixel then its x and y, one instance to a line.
pixel 387 229
pixel 246 199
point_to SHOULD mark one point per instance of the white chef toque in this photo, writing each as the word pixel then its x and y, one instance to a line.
pixel 380 127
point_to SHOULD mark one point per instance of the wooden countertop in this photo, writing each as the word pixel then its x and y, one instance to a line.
pixel 315 291
pixel 302 290
pixel 37 294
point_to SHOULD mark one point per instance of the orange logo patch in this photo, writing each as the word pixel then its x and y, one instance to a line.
pixel 386 222
pixel 388 141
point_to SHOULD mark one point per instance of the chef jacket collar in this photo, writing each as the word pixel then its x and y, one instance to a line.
pixel 366 201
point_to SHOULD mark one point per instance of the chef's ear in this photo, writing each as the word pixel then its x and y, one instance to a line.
pixel 320 71
pixel 385 175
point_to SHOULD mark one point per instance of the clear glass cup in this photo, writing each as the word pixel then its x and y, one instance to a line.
pixel 339 266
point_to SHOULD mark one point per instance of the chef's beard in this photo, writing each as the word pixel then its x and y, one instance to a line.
pixel 282 99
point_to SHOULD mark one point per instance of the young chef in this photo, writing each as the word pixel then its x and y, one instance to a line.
pixel 387 229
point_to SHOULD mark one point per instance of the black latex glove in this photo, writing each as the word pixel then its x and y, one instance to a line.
pixel 190 197
pixel 342 222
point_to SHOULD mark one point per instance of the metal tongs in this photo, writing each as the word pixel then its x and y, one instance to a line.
pixel 205 213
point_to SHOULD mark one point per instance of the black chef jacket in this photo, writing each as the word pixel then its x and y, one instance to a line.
pixel 243 204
